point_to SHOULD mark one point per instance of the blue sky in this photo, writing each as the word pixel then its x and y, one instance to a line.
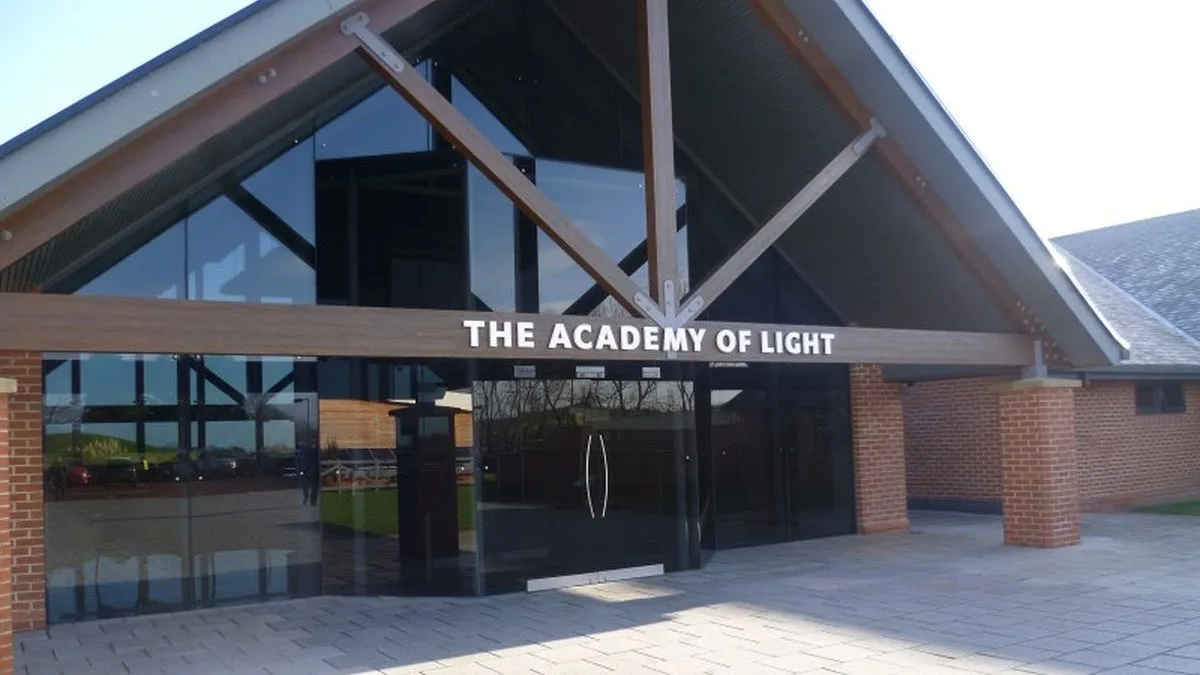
pixel 1086 111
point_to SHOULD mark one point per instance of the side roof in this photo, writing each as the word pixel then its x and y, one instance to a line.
pixel 1155 344
pixel 1156 261
pixel 37 159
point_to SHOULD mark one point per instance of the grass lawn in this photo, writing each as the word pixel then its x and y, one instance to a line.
pixel 1177 509
pixel 380 513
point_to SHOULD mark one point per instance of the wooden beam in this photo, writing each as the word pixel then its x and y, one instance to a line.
pixel 70 323
pixel 141 156
pixel 492 163
pixel 737 262
pixel 658 147
pixel 781 21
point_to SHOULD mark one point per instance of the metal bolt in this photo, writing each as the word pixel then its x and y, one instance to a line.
pixel 6 235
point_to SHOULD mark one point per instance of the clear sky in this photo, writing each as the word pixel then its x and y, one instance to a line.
pixel 1088 111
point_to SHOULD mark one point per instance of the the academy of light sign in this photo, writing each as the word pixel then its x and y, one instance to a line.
pixel 626 337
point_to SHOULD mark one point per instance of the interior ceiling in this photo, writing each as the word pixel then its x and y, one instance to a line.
pixel 743 109
pixel 751 116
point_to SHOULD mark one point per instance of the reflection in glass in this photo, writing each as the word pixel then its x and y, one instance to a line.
pixel 397 492
pixel 153 271
pixel 382 124
pixel 142 518
pixel 581 476
pixel 483 120
pixel 286 187
pixel 231 258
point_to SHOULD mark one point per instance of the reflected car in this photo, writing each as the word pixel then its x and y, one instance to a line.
pixel 77 475
pixel 115 472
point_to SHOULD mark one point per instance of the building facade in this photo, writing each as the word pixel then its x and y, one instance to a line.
pixel 441 298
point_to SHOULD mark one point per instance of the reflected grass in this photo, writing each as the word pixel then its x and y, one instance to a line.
pixel 381 513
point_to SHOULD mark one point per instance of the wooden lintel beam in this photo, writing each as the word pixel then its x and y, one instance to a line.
pixel 658 147
pixel 737 262
pixel 492 163
pixel 776 16
pixel 51 323
pixel 175 135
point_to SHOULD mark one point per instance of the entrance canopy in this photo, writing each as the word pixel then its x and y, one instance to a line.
pixel 813 137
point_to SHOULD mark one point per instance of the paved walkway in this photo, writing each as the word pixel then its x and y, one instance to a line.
pixel 947 599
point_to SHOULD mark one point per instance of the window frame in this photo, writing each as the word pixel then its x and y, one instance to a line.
pixel 1164 399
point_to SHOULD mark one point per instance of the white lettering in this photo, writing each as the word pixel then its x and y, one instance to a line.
pixel 827 340
pixel 631 338
pixel 697 335
pixel 606 339
pixel 765 342
pixel 525 334
pixel 581 330
pixel 812 344
pixel 650 338
pixel 475 325
pixel 559 337
pixel 743 341
pixel 792 342
pixel 726 341
pixel 500 331
pixel 675 340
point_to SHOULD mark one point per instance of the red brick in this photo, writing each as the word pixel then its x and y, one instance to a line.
pixel 24 498
pixel 877 427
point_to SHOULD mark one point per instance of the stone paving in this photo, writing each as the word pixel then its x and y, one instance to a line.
pixel 946 599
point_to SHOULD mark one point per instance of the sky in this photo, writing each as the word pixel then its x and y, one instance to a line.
pixel 1086 110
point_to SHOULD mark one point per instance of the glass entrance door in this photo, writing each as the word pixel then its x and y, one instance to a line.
pixel 583 477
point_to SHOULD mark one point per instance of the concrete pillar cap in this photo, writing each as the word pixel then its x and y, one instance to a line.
pixel 1040 383
pixel 8 386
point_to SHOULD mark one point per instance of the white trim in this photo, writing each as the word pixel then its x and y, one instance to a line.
pixel 82 139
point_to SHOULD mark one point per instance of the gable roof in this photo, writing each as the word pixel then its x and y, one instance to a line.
pixel 1156 261
pixel 1155 345
pixel 856 45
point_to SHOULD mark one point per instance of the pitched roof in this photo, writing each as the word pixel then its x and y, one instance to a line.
pixel 1154 343
pixel 1156 261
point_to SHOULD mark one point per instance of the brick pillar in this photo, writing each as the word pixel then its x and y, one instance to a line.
pixel 1038 463
pixel 7 389
pixel 26 481
pixel 877 427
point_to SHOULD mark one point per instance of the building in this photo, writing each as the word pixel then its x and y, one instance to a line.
pixel 1137 422
pixel 678 267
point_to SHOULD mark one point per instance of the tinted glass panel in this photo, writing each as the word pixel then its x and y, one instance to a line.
pixel 286 187
pixel 493 245
pixel 152 271
pixel 231 258
pixel 382 124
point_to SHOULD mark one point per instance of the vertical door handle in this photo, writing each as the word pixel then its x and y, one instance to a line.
pixel 587 480
pixel 604 453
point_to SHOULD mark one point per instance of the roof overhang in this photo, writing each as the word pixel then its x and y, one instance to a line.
pixel 66 143
pixel 861 49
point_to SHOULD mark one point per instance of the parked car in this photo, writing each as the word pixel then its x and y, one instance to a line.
pixel 116 471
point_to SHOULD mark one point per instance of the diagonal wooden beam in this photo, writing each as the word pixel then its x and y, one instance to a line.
pixel 658 147
pixel 737 262
pixel 175 135
pixel 489 160
pixel 776 16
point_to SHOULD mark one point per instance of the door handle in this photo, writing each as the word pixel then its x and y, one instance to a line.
pixel 604 454
pixel 587 476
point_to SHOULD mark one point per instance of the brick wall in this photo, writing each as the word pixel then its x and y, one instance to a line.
pixel 1039 464
pixel 951 435
pixel 25 449
pixel 877 427
pixel 6 622
pixel 1128 459
pixel 1125 459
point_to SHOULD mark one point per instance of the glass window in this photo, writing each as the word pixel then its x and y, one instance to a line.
pixel 493 246
pixel 483 120
pixel 152 271
pixel 286 186
pixel 382 124
pixel 1153 398
pixel 231 258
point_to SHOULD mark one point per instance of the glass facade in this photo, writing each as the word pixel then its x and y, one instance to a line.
pixel 181 481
